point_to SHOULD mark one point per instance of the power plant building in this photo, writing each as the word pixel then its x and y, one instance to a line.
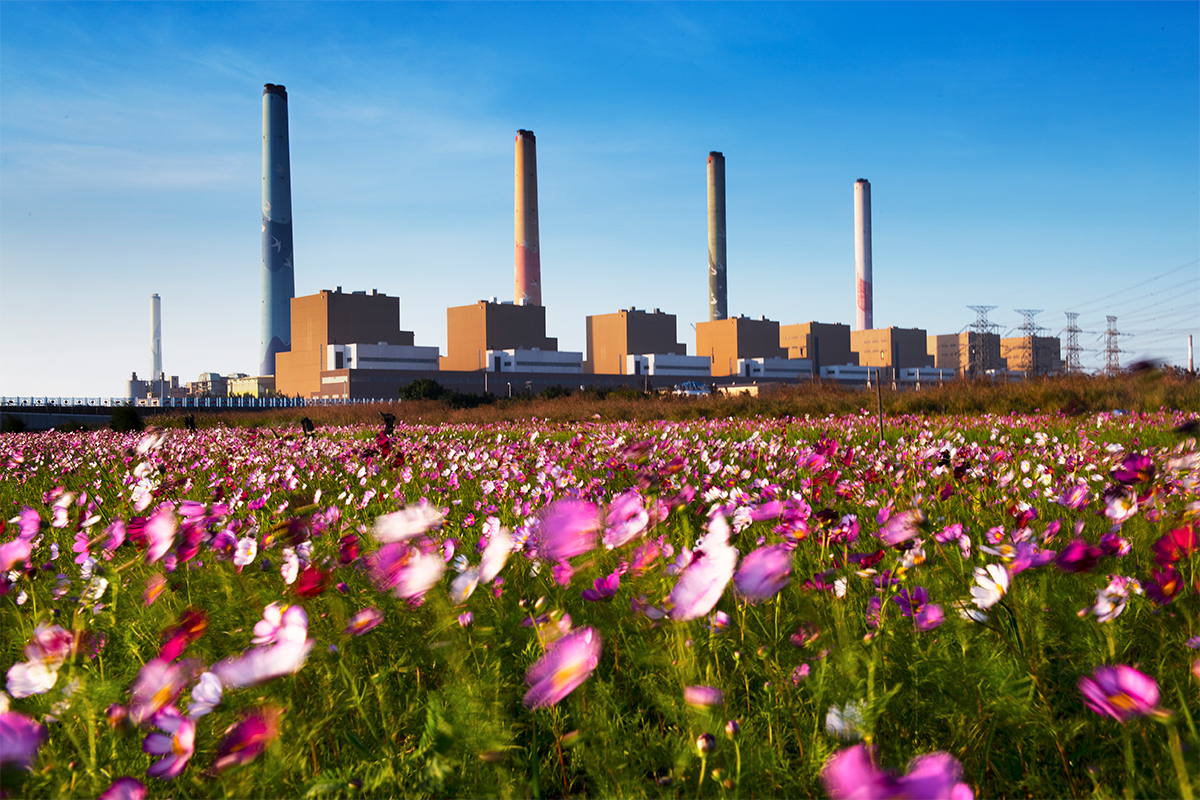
pixel 969 354
pixel 822 343
pixel 612 338
pixel 724 342
pixel 472 331
pixel 894 348
pixel 335 318
pixel 1033 355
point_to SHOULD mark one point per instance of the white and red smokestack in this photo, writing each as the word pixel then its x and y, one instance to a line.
pixel 865 317
pixel 527 277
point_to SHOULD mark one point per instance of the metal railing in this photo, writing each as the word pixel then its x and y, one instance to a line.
pixel 76 403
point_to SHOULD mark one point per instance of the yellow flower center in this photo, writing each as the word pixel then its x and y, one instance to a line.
pixel 1122 701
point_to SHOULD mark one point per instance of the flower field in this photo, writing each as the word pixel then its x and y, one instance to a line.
pixel 986 605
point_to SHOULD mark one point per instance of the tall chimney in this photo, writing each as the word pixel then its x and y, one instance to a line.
pixel 864 318
pixel 278 275
pixel 1191 364
pixel 527 274
pixel 155 336
pixel 718 307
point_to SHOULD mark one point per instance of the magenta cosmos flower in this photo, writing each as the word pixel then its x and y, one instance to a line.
pixel 1120 692
pixel 764 572
pixel 851 774
pixel 177 743
pixel 20 738
pixel 124 789
pixel 569 662
pixel 245 740
pixel 703 696
pixel 569 528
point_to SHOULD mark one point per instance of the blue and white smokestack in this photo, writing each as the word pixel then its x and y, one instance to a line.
pixel 278 276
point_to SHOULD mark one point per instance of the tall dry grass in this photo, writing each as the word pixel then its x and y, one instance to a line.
pixel 1070 395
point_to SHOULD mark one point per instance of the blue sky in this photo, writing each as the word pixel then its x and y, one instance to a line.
pixel 1021 155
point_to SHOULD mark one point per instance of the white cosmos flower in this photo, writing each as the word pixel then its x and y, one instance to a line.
pixel 247 549
pixel 991 584
pixel 290 566
pixel 462 586
pixel 407 523
pixel 206 695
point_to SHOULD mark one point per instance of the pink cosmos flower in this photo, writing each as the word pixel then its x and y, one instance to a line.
pixel 1120 692
pixel 627 519
pixel 702 696
pixel 568 663
pixel 764 572
pixel 154 587
pixel 51 644
pixel 245 740
pixel 903 526
pixel 160 532
pixel 703 581
pixel 568 528
pixel 124 789
pixel 177 744
pixel 363 621
pixel 405 570
pixel 850 774
pixel 20 738
pixel 157 685
pixel 1074 497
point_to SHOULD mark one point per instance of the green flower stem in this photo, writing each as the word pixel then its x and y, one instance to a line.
pixel 1130 778
pixel 1185 785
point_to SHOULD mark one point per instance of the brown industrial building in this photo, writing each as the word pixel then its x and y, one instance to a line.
pixel 969 354
pixel 612 337
pixel 724 341
pixel 333 317
pixel 824 343
pixel 896 348
pixel 1033 355
pixel 473 330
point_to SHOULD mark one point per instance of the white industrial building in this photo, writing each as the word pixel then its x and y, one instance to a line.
pixel 520 360
pixel 778 369
pixel 668 364
pixel 381 356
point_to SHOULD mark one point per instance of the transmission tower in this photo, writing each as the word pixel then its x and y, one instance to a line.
pixel 1112 352
pixel 1029 330
pixel 979 356
pixel 1073 348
